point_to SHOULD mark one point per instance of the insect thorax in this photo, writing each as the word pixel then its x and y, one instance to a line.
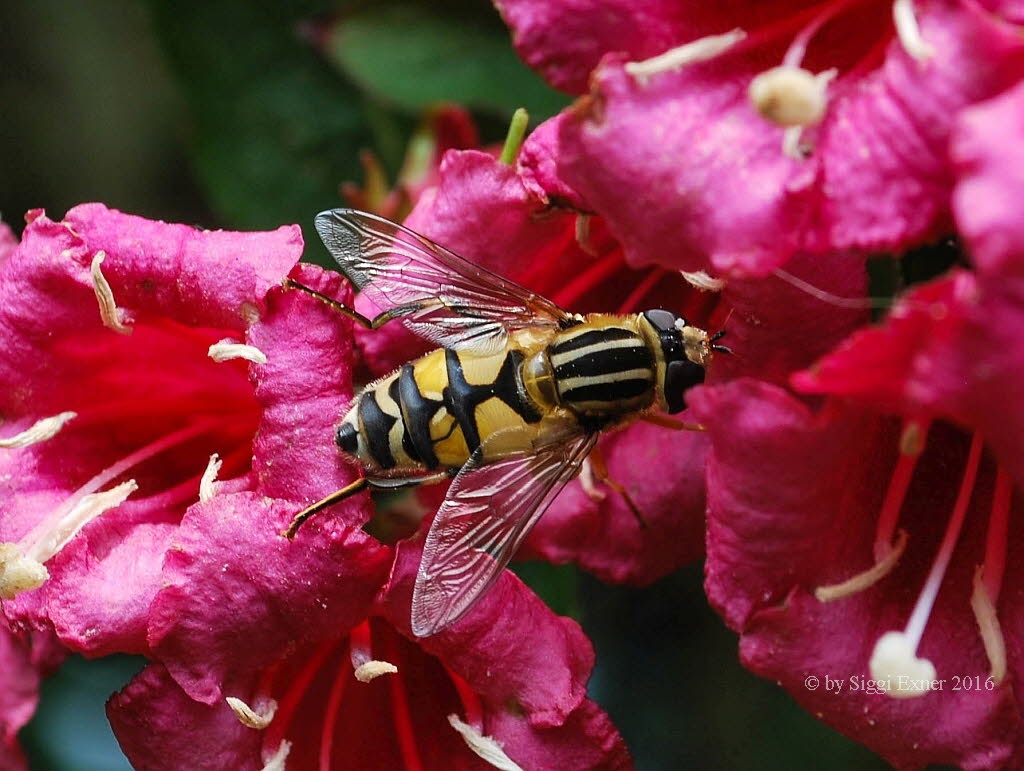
pixel 602 368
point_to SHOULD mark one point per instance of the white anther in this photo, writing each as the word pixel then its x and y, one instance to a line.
pixel 698 279
pixel 791 96
pixel 908 31
pixel 227 349
pixel 209 478
pixel 109 312
pixel 484 746
pixel 275 762
pixel 19 573
pixel 257 717
pixel 40 431
pixel 676 58
pixel 370 670
pixel 895 664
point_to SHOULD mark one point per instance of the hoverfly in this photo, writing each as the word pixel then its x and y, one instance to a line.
pixel 509 405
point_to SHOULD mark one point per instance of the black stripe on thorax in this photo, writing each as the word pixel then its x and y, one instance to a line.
pixel 611 392
pixel 377 429
pixel 603 335
pixel 605 361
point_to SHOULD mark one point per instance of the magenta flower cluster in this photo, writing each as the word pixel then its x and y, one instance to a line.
pixel 167 408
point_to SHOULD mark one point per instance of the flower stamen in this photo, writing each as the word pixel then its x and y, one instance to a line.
pixel 988 578
pixel 40 431
pixel 895 660
pixel 702 281
pixel 293 694
pixel 483 746
pixel 228 349
pixel 908 31
pixel 22 564
pixel 674 59
pixel 256 717
pixel 887 552
pixel 582 233
pixel 209 478
pixel 109 312
pixel 55 530
pixel 366 667
pixel 276 760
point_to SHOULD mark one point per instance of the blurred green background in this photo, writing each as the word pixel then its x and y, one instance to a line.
pixel 249 115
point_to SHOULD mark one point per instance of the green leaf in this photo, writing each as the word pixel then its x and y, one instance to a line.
pixel 275 129
pixel 411 58
pixel 557 585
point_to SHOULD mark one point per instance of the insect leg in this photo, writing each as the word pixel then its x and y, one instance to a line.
pixel 600 470
pixel 356 487
pixel 375 323
pixel 338 495
pixel 666 421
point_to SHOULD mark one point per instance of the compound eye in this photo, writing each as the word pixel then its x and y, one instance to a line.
pixel 662 320
pixel 680 376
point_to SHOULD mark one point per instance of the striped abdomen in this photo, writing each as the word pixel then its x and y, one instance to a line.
pixel 603 368
pixel 434 412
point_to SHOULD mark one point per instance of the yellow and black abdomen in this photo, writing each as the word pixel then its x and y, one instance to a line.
pixel 434 412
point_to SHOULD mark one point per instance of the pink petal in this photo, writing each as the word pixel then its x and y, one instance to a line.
pixel 303 390
pixel 988 148
pixel 8 241
pixel 160 727
pixel 545 659
pixel 614 151
pixel 236 594
pixel 199 277
pixel 19 692
pixel 587 740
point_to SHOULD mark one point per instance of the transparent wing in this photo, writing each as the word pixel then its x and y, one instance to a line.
pixel 488 512
pixel 437 294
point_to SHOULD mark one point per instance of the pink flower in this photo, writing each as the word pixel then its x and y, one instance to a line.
pixel 844 544
pixel 130 374
pixel 346 691
pixel 22 661
pixel 124 370
pixel 671 150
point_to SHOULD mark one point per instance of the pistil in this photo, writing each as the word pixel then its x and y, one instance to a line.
pixel 895 661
